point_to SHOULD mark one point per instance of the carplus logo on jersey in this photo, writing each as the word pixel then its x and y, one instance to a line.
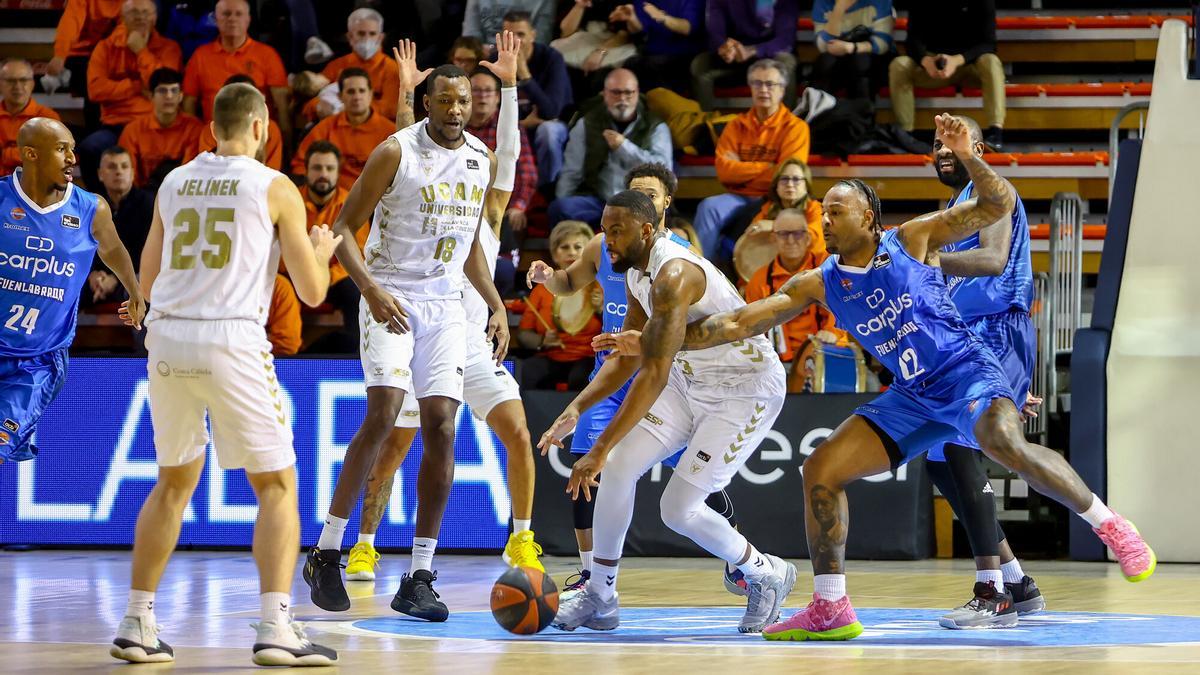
pixel 886 318
pixel 37 264
pixel 616 309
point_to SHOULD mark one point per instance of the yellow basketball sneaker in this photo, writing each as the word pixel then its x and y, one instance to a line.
pixel 363 561
pixel 521 551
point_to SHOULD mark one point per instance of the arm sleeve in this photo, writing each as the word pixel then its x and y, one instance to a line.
pixel 985 42
pixel 526 176
pixel 508 141
pixel 69 27
pixel 572 167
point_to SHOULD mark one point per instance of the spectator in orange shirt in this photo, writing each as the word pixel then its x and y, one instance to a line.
pixel 789 190
pixel 364 32
pixel 83 24
pixel 164 137
pixel 284 326
pixel 16 108
pixel 750 149
pixel 234 52
pixel 272 153
pixel 119 78
pixel 564 351
pixel 355 131
pixel 323 201
pixel 794 236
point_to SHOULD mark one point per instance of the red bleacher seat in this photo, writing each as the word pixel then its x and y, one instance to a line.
pixel 1033 22
pixel 1042 231
pixel 1061 158
pixel 888 160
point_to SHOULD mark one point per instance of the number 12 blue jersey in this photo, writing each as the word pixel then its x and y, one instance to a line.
pixel 45 257
pixel 900 309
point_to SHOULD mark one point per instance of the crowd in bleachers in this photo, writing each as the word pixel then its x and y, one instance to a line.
pixel 604 86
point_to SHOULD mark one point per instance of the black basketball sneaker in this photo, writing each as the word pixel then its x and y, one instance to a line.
pixel 323 574
pixel 990 608
pixel 417 598
pixel 1026 596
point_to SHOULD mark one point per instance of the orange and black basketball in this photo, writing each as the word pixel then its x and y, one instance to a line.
pixel 524 600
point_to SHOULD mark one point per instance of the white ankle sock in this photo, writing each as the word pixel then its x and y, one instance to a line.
pixel 274 607
pixel 993 576
pixel 1012 571
pixel 141 603
pixel 332 533
pixel 422 554
pixel 1097 513
pixel 604 580
pixel 366 538
pixel 830 586
pixel 585 557
pixel 520 525
pixel 756 566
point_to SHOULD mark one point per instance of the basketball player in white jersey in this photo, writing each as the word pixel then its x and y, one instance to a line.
pixel 719 403
pixel 489 389
pixel 220 224
pixel 426 186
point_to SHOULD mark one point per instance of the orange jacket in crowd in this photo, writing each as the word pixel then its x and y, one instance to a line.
pixel 354 142
pixel 119 80
pixel 83 24
pixel 385 78
pixel 760 147
pixel 150 144
pixel 283 322
pixel 575 347
pixel 812 214
pixel 10 157
pixel 811 320
pixel 274 149
pixel 325 215
pixel 211 65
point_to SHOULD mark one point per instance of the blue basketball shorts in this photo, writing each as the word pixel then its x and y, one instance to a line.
pixel 915 419
pixel 1013 341
pixel 595 420
pixel 27 386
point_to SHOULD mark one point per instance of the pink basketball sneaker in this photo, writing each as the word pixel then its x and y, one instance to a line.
pixel 1136 558
pixel 821 620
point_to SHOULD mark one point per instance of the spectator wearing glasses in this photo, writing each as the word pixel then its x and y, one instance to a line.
pixel 364 32
pixel 854 38
pixel 612 135
pixel 485 115
pixel 795 238
pixel 163 136
pixel 749 151
pixel 789 190
pixel 119 78
pixel 466 53
pixel 16 108
pixel 741 32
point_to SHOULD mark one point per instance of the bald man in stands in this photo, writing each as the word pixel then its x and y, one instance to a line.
pixel 16 108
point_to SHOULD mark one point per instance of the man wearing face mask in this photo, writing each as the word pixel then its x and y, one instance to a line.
pixel 364 32
pixel 611 135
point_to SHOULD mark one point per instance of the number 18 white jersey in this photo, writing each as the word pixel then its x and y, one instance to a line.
pixel 220 249
pixel 426 221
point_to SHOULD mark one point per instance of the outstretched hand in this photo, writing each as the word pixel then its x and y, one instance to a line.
pixel 508 46
pixel 406 58
pixel 562 427
pixel 583 476
pixel 625 343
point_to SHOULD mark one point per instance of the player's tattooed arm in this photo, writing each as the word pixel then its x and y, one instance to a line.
pixel 988 260
pixel 827 541
pixel 994 197
pixel 578 275
pixel 759 316
pixel 410 77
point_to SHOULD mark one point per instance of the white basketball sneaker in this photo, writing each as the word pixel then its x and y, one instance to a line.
pixel 137 642
pixel 285 644
pixel 586 609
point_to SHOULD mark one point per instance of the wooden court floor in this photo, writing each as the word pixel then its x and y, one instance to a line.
pixel 60 608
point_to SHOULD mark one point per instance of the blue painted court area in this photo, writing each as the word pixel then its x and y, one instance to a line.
pixel 884 627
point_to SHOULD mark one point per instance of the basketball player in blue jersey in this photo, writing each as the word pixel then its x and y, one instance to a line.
pixel 990 277
pixel 50 232
pixel 948 383
pixel 658 183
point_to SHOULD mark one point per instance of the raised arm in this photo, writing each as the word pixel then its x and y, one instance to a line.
pixel 409 78
pixel 994 198
pixel 989 259
pixel 757 317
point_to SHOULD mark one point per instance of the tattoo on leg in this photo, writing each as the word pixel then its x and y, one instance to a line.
pixel 374 504
pixel 828 548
